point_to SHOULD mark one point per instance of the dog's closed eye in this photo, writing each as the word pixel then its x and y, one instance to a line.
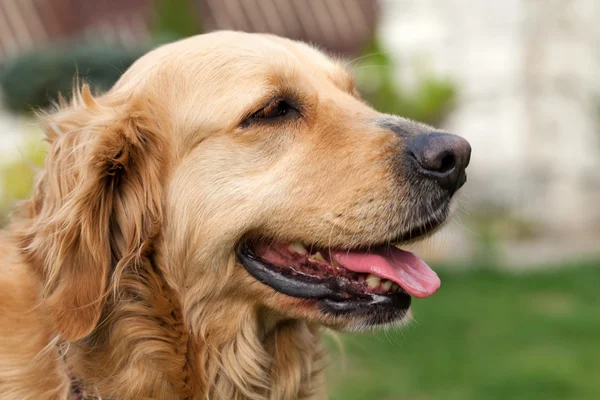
pixel 275 109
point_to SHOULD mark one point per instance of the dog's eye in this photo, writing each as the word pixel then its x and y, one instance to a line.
pixel 275 109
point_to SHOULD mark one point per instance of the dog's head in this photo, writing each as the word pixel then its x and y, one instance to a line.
pixel 250 170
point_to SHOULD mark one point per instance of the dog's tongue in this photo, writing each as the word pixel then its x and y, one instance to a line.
pixel 402 267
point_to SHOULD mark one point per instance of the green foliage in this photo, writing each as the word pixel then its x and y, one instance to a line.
pixel 17 177
pixel 430 102
pixel 485 335
pixel 177 18
pixel 495 225
pixel 34 79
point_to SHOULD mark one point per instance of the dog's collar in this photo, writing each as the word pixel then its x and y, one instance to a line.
pixel 78 390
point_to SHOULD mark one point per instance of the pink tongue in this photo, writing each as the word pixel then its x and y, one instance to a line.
pixel 402 267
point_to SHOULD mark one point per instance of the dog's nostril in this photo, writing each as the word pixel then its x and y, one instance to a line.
pixel 440 157
pixel 447 163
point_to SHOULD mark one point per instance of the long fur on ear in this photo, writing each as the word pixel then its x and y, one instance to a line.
pixel 97 207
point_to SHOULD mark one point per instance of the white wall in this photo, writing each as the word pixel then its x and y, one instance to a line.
pixel 528 74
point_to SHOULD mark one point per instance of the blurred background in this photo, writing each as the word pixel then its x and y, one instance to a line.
pixel 518 315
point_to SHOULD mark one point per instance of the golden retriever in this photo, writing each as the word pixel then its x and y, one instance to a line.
pixel 196 227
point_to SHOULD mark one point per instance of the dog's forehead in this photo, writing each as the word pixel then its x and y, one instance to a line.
pixel 226 55
pixel 213 80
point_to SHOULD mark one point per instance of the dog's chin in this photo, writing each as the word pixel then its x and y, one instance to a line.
pixel 351 289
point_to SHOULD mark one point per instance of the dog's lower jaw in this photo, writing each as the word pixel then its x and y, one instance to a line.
pixel 360 326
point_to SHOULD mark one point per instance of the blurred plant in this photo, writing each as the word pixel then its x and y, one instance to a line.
pixel 176 18
pixel 495 225
pixel 18 176
pixel 430 102
pixel 33 80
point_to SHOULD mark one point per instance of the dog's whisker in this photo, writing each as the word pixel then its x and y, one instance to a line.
pixel 372 54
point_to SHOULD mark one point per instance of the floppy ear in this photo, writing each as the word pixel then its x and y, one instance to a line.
pixel 97 207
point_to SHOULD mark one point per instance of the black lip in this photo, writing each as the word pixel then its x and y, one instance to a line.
pixel 333 295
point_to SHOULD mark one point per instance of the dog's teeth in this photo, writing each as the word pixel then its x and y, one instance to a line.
pixel 373 281
pixel 395 288
pixel 386 285
pixel 298 247
pixel 317 257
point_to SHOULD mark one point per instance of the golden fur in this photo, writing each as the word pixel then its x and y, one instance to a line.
pixel 124 257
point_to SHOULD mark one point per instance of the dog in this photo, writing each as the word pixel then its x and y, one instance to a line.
pixel 197 227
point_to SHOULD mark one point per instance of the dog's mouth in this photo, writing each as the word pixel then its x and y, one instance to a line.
pixel 383 277
pixel 341 274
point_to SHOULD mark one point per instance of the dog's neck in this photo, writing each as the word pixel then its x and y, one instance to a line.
pixel 146 349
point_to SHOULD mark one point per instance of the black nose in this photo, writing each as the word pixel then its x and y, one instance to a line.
pixel 441 157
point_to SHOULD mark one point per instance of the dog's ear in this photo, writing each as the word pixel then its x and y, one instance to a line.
pixel 97 207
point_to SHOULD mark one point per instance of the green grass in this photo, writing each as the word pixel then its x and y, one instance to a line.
pixel 485 335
